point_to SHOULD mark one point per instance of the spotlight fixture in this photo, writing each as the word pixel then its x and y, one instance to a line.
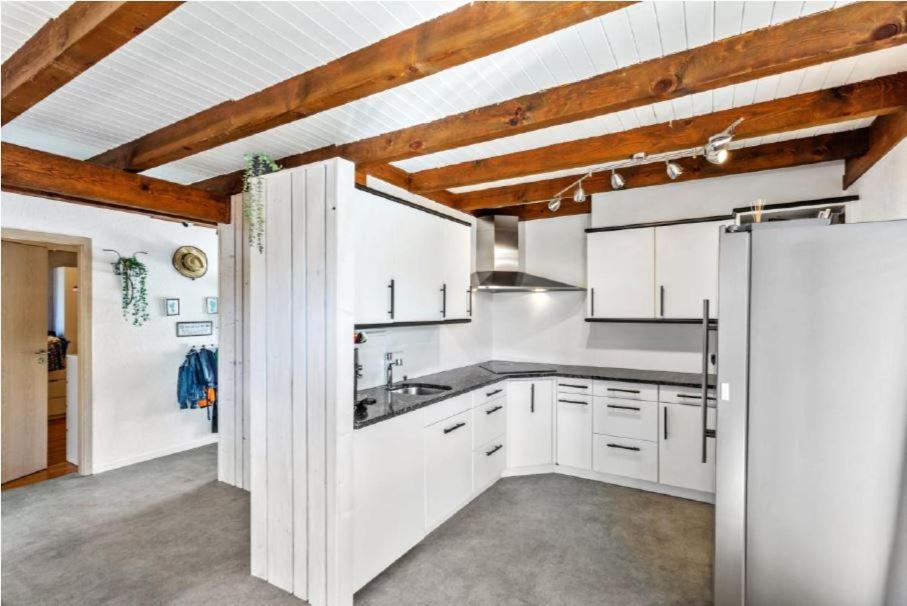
pixel 716 150
pixel 673 169
pixel 554 205
pixel 715 155
pixel 617 182
pixel 579 196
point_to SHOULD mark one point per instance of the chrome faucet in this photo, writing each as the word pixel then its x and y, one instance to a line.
pixel 389 367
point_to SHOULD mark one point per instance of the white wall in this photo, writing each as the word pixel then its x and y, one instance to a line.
pixel 883 188
pixel 135 415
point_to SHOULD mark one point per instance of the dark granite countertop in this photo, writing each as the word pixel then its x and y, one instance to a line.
pixel 469 378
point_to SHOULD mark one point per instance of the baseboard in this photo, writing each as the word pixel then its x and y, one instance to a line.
pixel 673 491
pixel 147 456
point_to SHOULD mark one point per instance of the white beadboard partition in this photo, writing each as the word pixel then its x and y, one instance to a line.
pixel 291 369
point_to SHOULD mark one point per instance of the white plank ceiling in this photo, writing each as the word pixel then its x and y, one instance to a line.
pixel 205 53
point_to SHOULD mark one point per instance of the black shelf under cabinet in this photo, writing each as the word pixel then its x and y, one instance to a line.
pixel 402 324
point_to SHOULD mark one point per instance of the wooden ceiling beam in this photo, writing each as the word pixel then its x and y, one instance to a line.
pixel 518 199
pixel 465 34
pixel 884 134
pixel 37 173
pixel 864 99
pixel 819 38
pixel 66 46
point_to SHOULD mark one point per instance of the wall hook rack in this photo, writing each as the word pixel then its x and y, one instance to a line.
pixel 117 271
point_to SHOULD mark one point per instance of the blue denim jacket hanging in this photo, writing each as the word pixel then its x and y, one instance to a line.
pixel 197 373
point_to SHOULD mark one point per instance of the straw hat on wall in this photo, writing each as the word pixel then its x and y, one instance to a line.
pixel 190 261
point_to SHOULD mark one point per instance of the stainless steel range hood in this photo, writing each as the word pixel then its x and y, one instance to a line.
pixel 498 260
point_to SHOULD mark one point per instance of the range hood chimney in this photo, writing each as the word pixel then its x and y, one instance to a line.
pixel 498 259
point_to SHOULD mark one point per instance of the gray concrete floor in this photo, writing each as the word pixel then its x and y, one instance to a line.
pixel 552 539
pixel 166 532
pixel 161 532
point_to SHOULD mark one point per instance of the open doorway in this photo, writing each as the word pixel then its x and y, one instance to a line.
pixel 46 315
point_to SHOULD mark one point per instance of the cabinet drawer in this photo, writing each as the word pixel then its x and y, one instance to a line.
pixel 626 419
pixel 574 386
pixel 626 457
pixel 629 391
pixel 488 463
pixel 490 421
pixel 448 467
pixel 684 395
pixel 446 408
pixel 490 392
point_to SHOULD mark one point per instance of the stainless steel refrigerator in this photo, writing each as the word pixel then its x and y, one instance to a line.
pixel 811 504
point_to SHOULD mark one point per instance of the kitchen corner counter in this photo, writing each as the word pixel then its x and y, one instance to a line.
pixel 468 378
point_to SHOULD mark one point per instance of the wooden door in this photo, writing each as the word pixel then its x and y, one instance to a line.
pixel 621 271
pixel 24 375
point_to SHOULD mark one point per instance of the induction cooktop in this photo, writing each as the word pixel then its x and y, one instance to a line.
pixel 501 367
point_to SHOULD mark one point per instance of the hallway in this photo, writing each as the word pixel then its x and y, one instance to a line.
pixel 160 532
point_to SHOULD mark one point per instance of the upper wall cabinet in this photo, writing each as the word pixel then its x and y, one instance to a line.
pixel 661 272
pixel 411 265
pixel 620 266
pixel 686 269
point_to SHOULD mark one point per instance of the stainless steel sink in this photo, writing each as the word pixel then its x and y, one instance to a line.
pixel 419 389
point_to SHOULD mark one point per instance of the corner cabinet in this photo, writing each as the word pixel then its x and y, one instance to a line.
pixel 653 273
pixel 412 265
pixel 530 423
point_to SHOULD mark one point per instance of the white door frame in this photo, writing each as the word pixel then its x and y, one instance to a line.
pixel 82 248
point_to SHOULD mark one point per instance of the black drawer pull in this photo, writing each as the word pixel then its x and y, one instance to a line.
pixel 623 390
pixel 574 402
pixel 488 394
pixel 495 409
pixel 576 386
pixel 621 446
pixel 494 450
pixel 455 427
pixel 689 397
pixel 636 408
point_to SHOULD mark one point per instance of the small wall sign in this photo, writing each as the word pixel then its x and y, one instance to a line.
pixel 194 329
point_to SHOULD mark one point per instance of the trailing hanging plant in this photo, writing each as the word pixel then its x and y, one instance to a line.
pixel 253 206
pixel 132 274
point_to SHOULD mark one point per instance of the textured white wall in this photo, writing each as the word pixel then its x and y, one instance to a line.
pixel 136 415
pixel 883 189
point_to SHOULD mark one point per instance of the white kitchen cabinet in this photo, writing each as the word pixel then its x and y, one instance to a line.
pixel 626 418
pixel 686 269
pixel 530 409
pixel 454 249
pixel 388 494
pixel 489 462
pixel 574 430
pixel 419 253
pixel 373 220
pixel 625 457
pixel 448 467
pixel 621 266
pixel 680 448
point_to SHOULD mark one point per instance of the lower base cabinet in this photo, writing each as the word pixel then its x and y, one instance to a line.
pixel 626 457
pixel 388 495
pixel 530 417
pixel 448 467
pixel 680 448
pixel 574 430
pixel 489 462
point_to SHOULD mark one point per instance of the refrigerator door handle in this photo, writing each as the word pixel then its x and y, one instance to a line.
pixel 705 377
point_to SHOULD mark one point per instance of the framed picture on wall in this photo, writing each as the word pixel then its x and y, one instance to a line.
pixel 211 305
pixel 172 307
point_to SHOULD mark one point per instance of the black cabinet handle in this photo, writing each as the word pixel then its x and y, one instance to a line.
pixel 488 394
pixel 391 286
pixel 636 408
pixel 495 409
pixel 689 397
pixel 622 447
pixel 592 295
pixel 469 294
pixel 572 385
pixel 455 427
pixel 622 390
pixel 494 450
pixel 444 300
pixel 661 301
pixel 532 397
pixel 665 424
pixel 574 402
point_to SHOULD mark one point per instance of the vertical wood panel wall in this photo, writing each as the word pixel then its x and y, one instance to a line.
pixel 297 331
